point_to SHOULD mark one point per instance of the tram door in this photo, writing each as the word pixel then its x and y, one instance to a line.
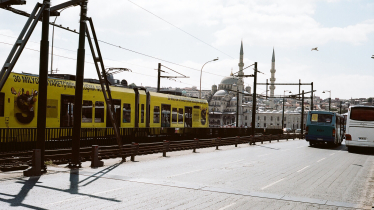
pixel 165 115
pixel 188 117
pixel 66 112
pixel 117 113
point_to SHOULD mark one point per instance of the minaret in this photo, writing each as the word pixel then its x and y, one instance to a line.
pixel 272 79
pixel 240 86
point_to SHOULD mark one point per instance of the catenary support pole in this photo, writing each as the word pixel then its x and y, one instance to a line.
pixel 302 113
pixel 43 84
pixel 311 97
pixel 299 88
pixel 77 110
pixel 237 109
pixel 266 89
pixel 283 115
pixel 159 77
pixel 340 112
pixel 254 100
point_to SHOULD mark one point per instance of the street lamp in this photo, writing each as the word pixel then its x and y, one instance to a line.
pixel 201 73
pixel 329 97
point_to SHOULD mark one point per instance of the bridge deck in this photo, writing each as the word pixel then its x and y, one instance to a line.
pixel 287 175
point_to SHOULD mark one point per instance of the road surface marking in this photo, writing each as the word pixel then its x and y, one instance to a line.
pixel 302 169
pixel 225 207
pixel 66 200
pixel 184 173
pixel 108 191
pixel 262 155
pixel 332 154
pixel 235 161
pixel 271 184
pixel 321 160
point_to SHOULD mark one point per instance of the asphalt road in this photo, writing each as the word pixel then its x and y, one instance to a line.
pixel 284 175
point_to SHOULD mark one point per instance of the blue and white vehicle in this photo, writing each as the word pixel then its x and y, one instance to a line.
pixel 360 127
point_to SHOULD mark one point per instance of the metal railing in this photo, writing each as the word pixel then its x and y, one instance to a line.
pixel 19 160
pixel 23 139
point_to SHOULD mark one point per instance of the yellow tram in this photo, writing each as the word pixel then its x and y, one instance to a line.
pixel 134 108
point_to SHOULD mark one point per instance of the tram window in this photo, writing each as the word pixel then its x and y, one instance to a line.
pixel 165 115
pixel 156 114
pixel 52 106
pixel 174 116
pixel 142 114
pixel 180 116
pixel 126 113
pixel 99 112
pixel 2 102
pixel 87 111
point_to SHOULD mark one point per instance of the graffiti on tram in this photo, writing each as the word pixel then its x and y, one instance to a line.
pixel 24 101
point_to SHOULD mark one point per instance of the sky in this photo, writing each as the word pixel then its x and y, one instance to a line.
pixel 182 35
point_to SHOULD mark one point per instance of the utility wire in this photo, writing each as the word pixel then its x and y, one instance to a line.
pixel 93 63
pixel 178 28
pixel 133 51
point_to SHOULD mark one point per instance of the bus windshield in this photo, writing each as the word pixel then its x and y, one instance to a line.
pixel 323 118
pixel 362 113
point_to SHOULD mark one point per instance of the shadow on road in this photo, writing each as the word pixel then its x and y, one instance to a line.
pixel 356 150
pixel 99 174
pixel 363 151
pixel 329 147
pixel 20 197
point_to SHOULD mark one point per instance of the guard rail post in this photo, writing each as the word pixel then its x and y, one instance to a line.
pixel 262 139
pixel 270 138
pixel 237 140
pixel 95 162
pixel 278 137
pixel 166 145
pixel 196 144
pixel 134 150
pixel 287 135
pixel 36 168
pixel 252 140
pixel 218 141
pixel 293 137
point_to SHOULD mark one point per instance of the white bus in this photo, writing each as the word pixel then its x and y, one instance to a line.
pixel 360 127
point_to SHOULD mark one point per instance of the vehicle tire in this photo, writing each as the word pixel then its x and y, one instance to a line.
pixel 350 149
pixel 311 144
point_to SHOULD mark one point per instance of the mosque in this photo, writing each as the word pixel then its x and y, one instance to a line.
pixel 223 103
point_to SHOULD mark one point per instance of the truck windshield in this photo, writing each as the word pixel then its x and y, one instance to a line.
pixel 362 113
pixel 324 118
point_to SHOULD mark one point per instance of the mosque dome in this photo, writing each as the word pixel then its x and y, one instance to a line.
pixel 229 80
pixel 221 93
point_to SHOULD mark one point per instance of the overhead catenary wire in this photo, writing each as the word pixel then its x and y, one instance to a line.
pixel 179 28
pixel 61 56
